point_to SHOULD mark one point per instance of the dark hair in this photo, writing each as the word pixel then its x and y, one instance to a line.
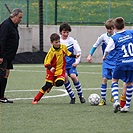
pixel 119 23
pixel 65 26
pixel 54 37
pixel 15 12
pixel 109 24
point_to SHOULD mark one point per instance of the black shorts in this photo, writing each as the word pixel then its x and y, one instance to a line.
pixel 6 64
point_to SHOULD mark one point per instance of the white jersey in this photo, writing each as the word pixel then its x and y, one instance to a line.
pixel 72 46
pixel 102 41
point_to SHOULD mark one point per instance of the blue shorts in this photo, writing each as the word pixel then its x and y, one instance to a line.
pixel 107 73
pixel 124 75
pixel 71 70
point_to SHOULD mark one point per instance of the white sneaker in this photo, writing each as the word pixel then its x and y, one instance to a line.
pixel 124 109
pixel 116 106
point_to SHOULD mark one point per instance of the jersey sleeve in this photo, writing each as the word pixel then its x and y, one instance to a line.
pixel 77 50
pixel 98 43
pixel 48 58
pixel 110 46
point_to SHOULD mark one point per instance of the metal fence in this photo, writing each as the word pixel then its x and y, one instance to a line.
pixel 85 12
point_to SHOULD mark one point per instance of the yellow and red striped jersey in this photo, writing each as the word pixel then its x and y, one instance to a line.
pixel 56 59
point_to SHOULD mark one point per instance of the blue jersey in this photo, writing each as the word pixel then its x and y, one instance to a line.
pixel 122 42
pixel 74 48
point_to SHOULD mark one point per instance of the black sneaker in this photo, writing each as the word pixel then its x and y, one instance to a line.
pixel 5 100
pixel 72 101
pixel 82 100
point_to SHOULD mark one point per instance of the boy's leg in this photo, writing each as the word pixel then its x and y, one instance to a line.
pixel 69 88
pixel 106 74
pixel 77 84
pixel 41 92
pixel 70 92
pixel 128 99
pixel 79 90
pixel 103 94
pixel 116 104
pixel 123 96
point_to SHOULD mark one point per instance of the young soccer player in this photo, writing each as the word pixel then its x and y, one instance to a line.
pixel 109 63
pixel 122 42
pixel 55 64
pixel 71 63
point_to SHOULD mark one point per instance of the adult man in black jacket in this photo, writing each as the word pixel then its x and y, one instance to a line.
pixel 9 41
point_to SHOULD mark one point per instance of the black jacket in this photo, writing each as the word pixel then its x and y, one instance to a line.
pixel 9 39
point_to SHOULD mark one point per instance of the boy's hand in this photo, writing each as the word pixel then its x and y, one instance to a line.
pixel 104 58
pixel 77 55
pixel 89 58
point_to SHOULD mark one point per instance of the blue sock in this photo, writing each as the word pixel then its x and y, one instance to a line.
pixel 78 88
pixel 69 89
pixel 103 91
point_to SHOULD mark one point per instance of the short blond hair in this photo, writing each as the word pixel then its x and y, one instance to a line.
pixel 109 24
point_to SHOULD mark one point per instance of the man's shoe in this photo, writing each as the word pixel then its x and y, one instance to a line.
pixel 5 100
pixel 125 109
pixel 34 101
pixel 116 106
pixel 72 101
pixel 102 102
pixel 82 99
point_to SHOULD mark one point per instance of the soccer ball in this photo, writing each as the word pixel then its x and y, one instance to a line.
pixel 94 99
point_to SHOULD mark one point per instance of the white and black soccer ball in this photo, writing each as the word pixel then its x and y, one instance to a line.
pixel 94 99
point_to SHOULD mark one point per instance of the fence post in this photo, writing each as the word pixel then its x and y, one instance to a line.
pixel 56 1
pixel 27 13
pixel 41 24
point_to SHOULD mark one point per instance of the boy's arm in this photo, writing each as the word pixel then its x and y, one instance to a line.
pixel 77 50
pixel 89 58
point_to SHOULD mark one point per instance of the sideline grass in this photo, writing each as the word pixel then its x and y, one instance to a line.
pixel 56 115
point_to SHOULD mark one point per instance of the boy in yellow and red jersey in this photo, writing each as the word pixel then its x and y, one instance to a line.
pixel 55 64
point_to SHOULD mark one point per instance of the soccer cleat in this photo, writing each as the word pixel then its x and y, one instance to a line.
pixel 124 109
pixel 72 101
pixel 102 102
pixel 122 101
pixel 34 101
pixel 82 99
pixel 5 100
pixel 111 99
pixel 116 106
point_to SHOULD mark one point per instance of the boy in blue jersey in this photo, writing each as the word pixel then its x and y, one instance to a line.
pixel 122 42
pixel 71 63
pixel 109 63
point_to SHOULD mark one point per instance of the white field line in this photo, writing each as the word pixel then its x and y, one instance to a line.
pixel 54 96
pixel 36 66
pixel 44 71
pixel 41 66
